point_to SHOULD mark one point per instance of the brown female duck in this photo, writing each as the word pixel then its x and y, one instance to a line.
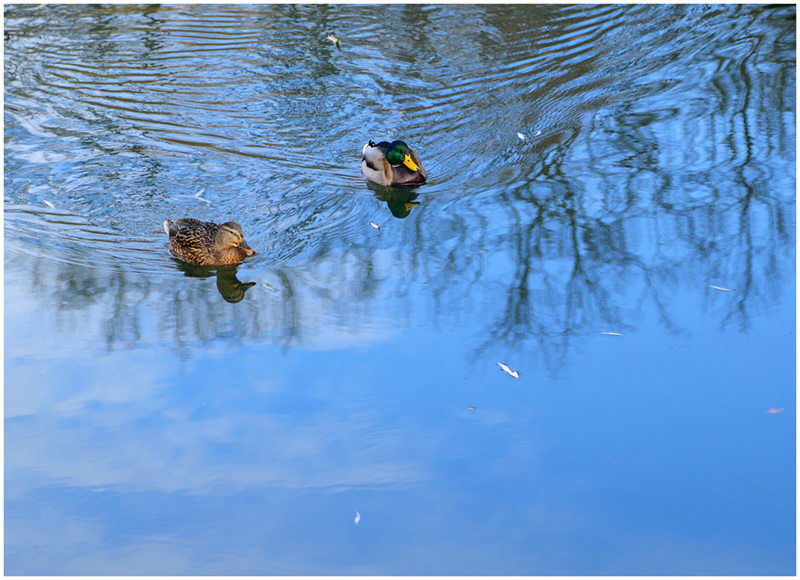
pixel 206 243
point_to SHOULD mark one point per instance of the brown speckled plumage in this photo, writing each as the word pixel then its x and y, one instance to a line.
pixel 207 243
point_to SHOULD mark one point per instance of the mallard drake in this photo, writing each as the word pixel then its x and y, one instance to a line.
pixel 206 243
pixel 393 163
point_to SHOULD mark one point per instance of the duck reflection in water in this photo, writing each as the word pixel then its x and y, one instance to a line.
pixel 228 285
pixel 400 201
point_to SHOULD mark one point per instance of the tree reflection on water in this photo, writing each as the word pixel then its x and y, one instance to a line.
pixel 640 180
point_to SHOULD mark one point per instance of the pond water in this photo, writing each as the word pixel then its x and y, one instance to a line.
pixel 610 212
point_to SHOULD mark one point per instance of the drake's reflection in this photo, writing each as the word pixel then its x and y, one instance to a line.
pixel 228 285
pixel 400 201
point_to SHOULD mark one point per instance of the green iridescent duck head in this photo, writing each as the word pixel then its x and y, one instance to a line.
pixel 400 154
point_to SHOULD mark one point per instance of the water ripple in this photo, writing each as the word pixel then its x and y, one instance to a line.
pixel 125 112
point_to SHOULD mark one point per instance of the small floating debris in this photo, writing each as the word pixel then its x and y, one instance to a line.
pixel 612 333
pixel 521 136
pixel 723 289
pixel 199 193
pixel 470 408
pixel 773 411
pixel 268 287
pixel 374 225
pixel 49 204
pixel 513 373
pixel 358 518
pixel 538 133
pixel 333 39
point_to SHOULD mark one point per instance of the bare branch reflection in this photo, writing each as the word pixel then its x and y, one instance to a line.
pixel 637 180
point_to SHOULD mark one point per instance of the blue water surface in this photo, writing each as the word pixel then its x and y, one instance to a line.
pixel 610 214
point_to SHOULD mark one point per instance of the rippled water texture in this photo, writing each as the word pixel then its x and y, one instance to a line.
pixel 610 212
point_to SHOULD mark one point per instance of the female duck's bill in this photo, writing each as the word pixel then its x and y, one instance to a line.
pixel 392 164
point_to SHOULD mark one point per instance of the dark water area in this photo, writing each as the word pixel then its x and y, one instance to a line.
pixel 610 212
